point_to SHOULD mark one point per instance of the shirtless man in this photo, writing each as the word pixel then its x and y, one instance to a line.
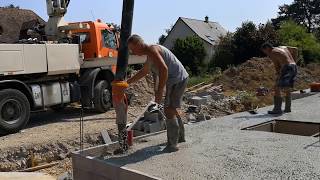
pixel 284 59
pixel 172 75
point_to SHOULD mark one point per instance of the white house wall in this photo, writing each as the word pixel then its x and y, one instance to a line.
pixel 180 31
pixel 209 50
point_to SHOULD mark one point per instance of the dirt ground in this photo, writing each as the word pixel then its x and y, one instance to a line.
pixel 259 72
pixel 50 136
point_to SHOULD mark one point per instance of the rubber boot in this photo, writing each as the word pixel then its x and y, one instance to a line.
pixel 288 104
pixel 277 106
pixel 181 130
pixel 122 139
pixel 172 136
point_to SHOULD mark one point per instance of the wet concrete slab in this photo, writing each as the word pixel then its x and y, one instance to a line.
pixel 24 176
pixel 219 149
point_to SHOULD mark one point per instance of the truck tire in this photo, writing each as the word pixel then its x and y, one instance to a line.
pixel 102 96
pixel 14 110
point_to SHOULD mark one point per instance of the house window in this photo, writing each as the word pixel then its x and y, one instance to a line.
pixel 109 39
pixel 210 38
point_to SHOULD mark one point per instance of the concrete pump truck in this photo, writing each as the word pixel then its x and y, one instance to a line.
pixel 66 62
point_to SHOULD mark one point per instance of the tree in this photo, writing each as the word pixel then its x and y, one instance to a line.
pixel 267 33
pixel 223 56
pixel 234 49
pixel 191 52
pixel 292 34
pixel 304 12
pixel 116 26
pixel 249 38
pixel 244 40
pixel 12 6
pixel 163 37
pixel 317 33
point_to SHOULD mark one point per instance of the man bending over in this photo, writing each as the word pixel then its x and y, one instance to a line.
pixel 283 59
pixel 172 75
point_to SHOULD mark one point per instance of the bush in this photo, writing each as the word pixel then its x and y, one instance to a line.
pixel 223 56
pixel 304 12
pixel 267 33
pixel 191 52
pixel 292 34
pixel 206 78
pixel 194 80
pixel 249 38
pixel 235 49
pixel 244 40
pixel 317 34
pixel 11 6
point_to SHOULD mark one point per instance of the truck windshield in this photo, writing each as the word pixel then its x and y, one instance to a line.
pixel 109 39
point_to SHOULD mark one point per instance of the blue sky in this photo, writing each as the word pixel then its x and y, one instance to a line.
pixel 152 17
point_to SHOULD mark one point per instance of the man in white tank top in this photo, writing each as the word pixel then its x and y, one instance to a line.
pixel 172 75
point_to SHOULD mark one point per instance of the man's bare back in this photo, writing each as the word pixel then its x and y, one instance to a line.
pixel 281 56
pixel 284 59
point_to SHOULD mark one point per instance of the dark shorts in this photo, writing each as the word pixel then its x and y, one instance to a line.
pixel 287 76
pixel 174 94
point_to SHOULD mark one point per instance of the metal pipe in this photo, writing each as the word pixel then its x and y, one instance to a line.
pixel 126 28
pixel 49 7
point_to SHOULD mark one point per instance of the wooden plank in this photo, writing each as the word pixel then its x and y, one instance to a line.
pixel 32 169
pixel 195 86
pixel 202 88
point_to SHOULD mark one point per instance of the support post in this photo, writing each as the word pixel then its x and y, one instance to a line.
pixel 126 28
pixel 118 94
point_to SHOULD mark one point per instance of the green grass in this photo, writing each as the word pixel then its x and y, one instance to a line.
pixel 194 80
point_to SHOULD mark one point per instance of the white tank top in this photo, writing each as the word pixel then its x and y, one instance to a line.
pixel 176 71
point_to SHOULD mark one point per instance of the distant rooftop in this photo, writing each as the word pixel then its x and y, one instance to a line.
pixel 207 30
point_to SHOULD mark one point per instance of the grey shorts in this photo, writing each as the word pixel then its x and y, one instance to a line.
pixel 287 76
pixel 174 94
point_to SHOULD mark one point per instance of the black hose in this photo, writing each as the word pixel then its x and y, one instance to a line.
pixel 67 3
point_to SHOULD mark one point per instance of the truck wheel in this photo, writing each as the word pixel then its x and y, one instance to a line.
pixel 102 96
pixel 14 110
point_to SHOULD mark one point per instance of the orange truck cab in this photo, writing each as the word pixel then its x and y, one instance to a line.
pixel 100 40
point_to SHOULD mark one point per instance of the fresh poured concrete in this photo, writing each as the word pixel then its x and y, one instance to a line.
pixel 219 149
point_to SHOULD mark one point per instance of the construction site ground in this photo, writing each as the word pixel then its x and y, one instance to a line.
pixel 219 149
pixel 260 72
pixel 51 136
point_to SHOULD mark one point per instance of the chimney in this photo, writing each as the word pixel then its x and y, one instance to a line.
pixel 206 19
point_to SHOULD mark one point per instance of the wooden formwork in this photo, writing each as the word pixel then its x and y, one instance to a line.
pixel 87 165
